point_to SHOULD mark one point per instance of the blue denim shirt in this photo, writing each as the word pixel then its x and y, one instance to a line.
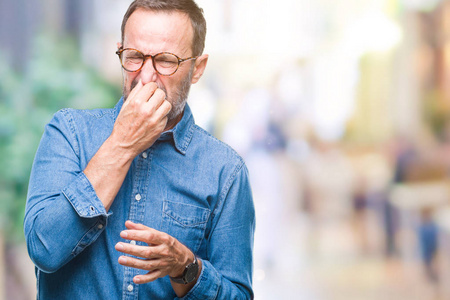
pixel 187 184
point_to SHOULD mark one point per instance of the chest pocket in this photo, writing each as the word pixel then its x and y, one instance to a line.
pixel 185 222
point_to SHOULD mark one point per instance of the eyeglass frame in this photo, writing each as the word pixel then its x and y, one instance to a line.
pixel 180 60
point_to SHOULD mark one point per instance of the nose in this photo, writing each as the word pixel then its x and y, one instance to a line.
pixel 148 73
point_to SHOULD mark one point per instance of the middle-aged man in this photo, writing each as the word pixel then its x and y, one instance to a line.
pixel 138 202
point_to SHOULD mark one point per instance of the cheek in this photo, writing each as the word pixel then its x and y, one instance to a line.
pixel 128 78
pixel 171 83
pixel 164 84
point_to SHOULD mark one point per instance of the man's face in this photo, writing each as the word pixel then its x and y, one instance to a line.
pixel 154 32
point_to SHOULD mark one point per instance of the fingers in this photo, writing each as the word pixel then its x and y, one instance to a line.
pixel 164 109
pixel 143 93
pixel 157 267
pixel 158 97
pixel 150 276
pixel 156 101
pixel 163 256
pixel 135 90
pixel 131 225
pixel 147 252
pixel 152 98
pixel 148 101
pixel 146 235
pixel 142 264
pixel 146 92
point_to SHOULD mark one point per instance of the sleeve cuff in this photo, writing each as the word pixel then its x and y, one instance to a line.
pixel 207 286
pixel 81 195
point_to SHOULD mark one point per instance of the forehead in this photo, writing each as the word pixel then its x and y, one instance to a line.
pixel 152 32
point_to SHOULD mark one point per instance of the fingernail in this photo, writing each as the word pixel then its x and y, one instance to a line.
pixel 122 260
pixel 124 234
pixel 119 246
pixel 137 279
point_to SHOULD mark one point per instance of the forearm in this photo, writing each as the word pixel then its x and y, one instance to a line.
pixel 63 214
pixel 107 170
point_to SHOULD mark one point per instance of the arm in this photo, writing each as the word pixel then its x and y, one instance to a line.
pixel 67 208
pixel 141 121
pixel 63 214
pixel 227 272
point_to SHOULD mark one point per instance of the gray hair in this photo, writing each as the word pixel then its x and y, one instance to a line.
pixel 188 7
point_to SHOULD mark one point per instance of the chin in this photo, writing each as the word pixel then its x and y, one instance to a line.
pixel 176 112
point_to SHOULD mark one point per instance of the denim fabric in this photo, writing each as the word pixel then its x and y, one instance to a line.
pixel 187 184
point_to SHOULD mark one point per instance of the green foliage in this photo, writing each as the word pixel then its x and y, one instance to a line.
pixel 55 78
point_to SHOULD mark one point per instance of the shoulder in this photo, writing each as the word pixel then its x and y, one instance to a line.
pixel 98 113
pixel 78 118
pixel 215 153
pixel 215 146
pixel 84 128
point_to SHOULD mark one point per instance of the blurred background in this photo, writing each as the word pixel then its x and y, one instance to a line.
pixel 341 110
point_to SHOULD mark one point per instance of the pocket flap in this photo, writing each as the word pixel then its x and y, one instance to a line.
pixel 186 214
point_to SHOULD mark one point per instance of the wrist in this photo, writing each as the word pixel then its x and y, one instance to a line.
pixel 181 289
pixel 122 155
pixel 188 259
pixel 189 272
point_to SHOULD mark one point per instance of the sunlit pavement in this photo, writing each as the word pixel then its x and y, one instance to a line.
pixel 341 258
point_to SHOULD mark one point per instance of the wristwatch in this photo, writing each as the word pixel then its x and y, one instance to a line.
pixel 189 274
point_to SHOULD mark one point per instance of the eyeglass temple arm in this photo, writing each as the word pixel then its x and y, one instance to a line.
pixel 185 59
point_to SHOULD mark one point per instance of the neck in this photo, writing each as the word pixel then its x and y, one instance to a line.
pixel 173 122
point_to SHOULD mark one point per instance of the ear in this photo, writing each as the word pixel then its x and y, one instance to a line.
pixel 199 67
pixel 119 45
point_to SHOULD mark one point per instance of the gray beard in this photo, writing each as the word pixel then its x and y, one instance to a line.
pixel 178 100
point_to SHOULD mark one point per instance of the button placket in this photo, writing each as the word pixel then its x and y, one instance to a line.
pixel 137 211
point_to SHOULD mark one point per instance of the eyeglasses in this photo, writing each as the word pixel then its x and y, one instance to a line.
pixel 164 63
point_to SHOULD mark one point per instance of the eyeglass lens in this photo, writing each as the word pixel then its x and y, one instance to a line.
pixel 165 63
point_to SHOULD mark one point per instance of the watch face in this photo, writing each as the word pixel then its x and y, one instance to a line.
pixel 191 273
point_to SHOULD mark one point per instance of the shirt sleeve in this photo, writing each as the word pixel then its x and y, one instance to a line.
pixel 227 271
pixel 63 214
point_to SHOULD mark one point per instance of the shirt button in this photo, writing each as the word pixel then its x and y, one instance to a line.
pixel 130 288
pixel 138 197
pixel 100 226
pixel 133 242
pixel 144 155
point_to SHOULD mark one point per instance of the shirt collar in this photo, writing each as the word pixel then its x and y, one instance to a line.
pixel 182 132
